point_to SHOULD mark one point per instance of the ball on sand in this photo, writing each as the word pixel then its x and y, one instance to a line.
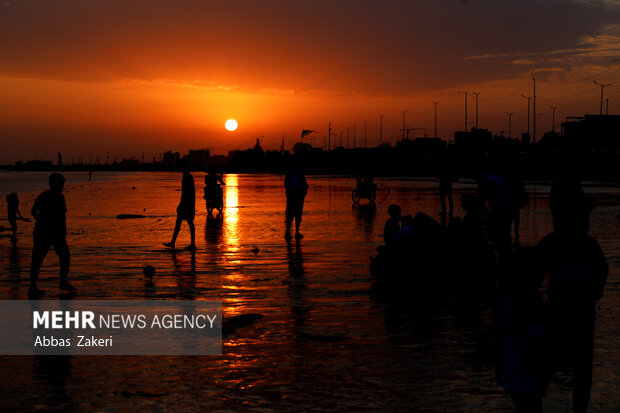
pixel 149 271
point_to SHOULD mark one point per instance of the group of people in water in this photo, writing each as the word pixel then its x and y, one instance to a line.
pixel 548 293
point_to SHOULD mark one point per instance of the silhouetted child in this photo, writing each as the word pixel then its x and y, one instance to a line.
pixel 524 367
pixel 392 224
pixel 186 210
pixel 50 230
pixel 577 271
pixel 12 202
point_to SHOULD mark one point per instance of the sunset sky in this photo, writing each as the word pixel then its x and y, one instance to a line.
pixel 86 77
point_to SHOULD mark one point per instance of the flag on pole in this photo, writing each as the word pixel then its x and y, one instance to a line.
pixel 305 132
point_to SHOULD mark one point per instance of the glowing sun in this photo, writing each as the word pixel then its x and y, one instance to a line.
pixel 231 124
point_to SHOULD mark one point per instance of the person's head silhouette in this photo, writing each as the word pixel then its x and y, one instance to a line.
pixel 57 182
pixel 570 207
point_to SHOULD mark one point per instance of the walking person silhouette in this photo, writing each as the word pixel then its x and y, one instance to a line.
pixel 50 230
pixel 186 210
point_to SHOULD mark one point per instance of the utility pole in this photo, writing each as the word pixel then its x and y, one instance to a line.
pixel 348 128
pixel 436 118
pixel 476 93
pixel 607 106
pixel 528 113
pixel 602 88
pixel 329 137
pixel 381 130
pixel 404 111
pixel 553 108
pixel 509 125
pixel 365 125
pixel 465 93
pixel 354 133
pixel 534 111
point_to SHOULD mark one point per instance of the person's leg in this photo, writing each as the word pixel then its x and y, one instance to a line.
pixel 62 250
pixel 290 214
pixel 175 234
pixel 582 369
pixel 442 200
pixel 517 219
pixel 40 248
pixel 298 214
pixel 192 232
pixel 527 402
pixel 450 202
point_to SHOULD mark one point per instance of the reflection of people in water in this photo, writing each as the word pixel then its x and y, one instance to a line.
pixel 49 211
pixel 577 271
pixel 186 210
pixel 12 202
pixel 296 188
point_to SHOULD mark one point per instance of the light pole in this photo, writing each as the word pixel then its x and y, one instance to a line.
pixel 553 108
pixel 465 93
pixel 381 130
pixel 476 93
pixel 436 118
pixel 528 113
pixel 509 125
pixel 602 88
pixel 404 112
pixel 365 124
pixel 534 111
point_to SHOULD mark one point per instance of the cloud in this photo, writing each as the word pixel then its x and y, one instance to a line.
pixel 391 48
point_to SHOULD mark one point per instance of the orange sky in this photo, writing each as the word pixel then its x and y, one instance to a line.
pixel 90 77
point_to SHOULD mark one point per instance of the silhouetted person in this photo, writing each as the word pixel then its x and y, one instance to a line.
pixel 524 339
pixel 392 225
pixel 50 230
pixel 446 178
pixel 577 271
pixel 493 188
pixel 186 210
pixel 471 221
pixel 296 188
pixel 213 182
pixel 516 189
pixel 12 202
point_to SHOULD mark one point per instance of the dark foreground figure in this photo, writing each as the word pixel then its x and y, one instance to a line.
pixel 50 230
pixel 186 210
pixel 548 320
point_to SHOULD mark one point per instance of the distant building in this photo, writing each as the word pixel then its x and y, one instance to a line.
pixel 476 140
pixel 197 158
pixel 171 159
pixel 592 131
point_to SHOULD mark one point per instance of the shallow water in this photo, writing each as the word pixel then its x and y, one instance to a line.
pixel 323 343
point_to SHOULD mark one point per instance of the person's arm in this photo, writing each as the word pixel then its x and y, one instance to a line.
pixel 35 209
pixel 600 269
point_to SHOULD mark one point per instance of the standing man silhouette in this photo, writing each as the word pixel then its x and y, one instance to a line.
pixel 296 188
pixel 50 230
pixel 186 210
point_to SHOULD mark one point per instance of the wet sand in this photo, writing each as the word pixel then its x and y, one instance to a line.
pixel 323 343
